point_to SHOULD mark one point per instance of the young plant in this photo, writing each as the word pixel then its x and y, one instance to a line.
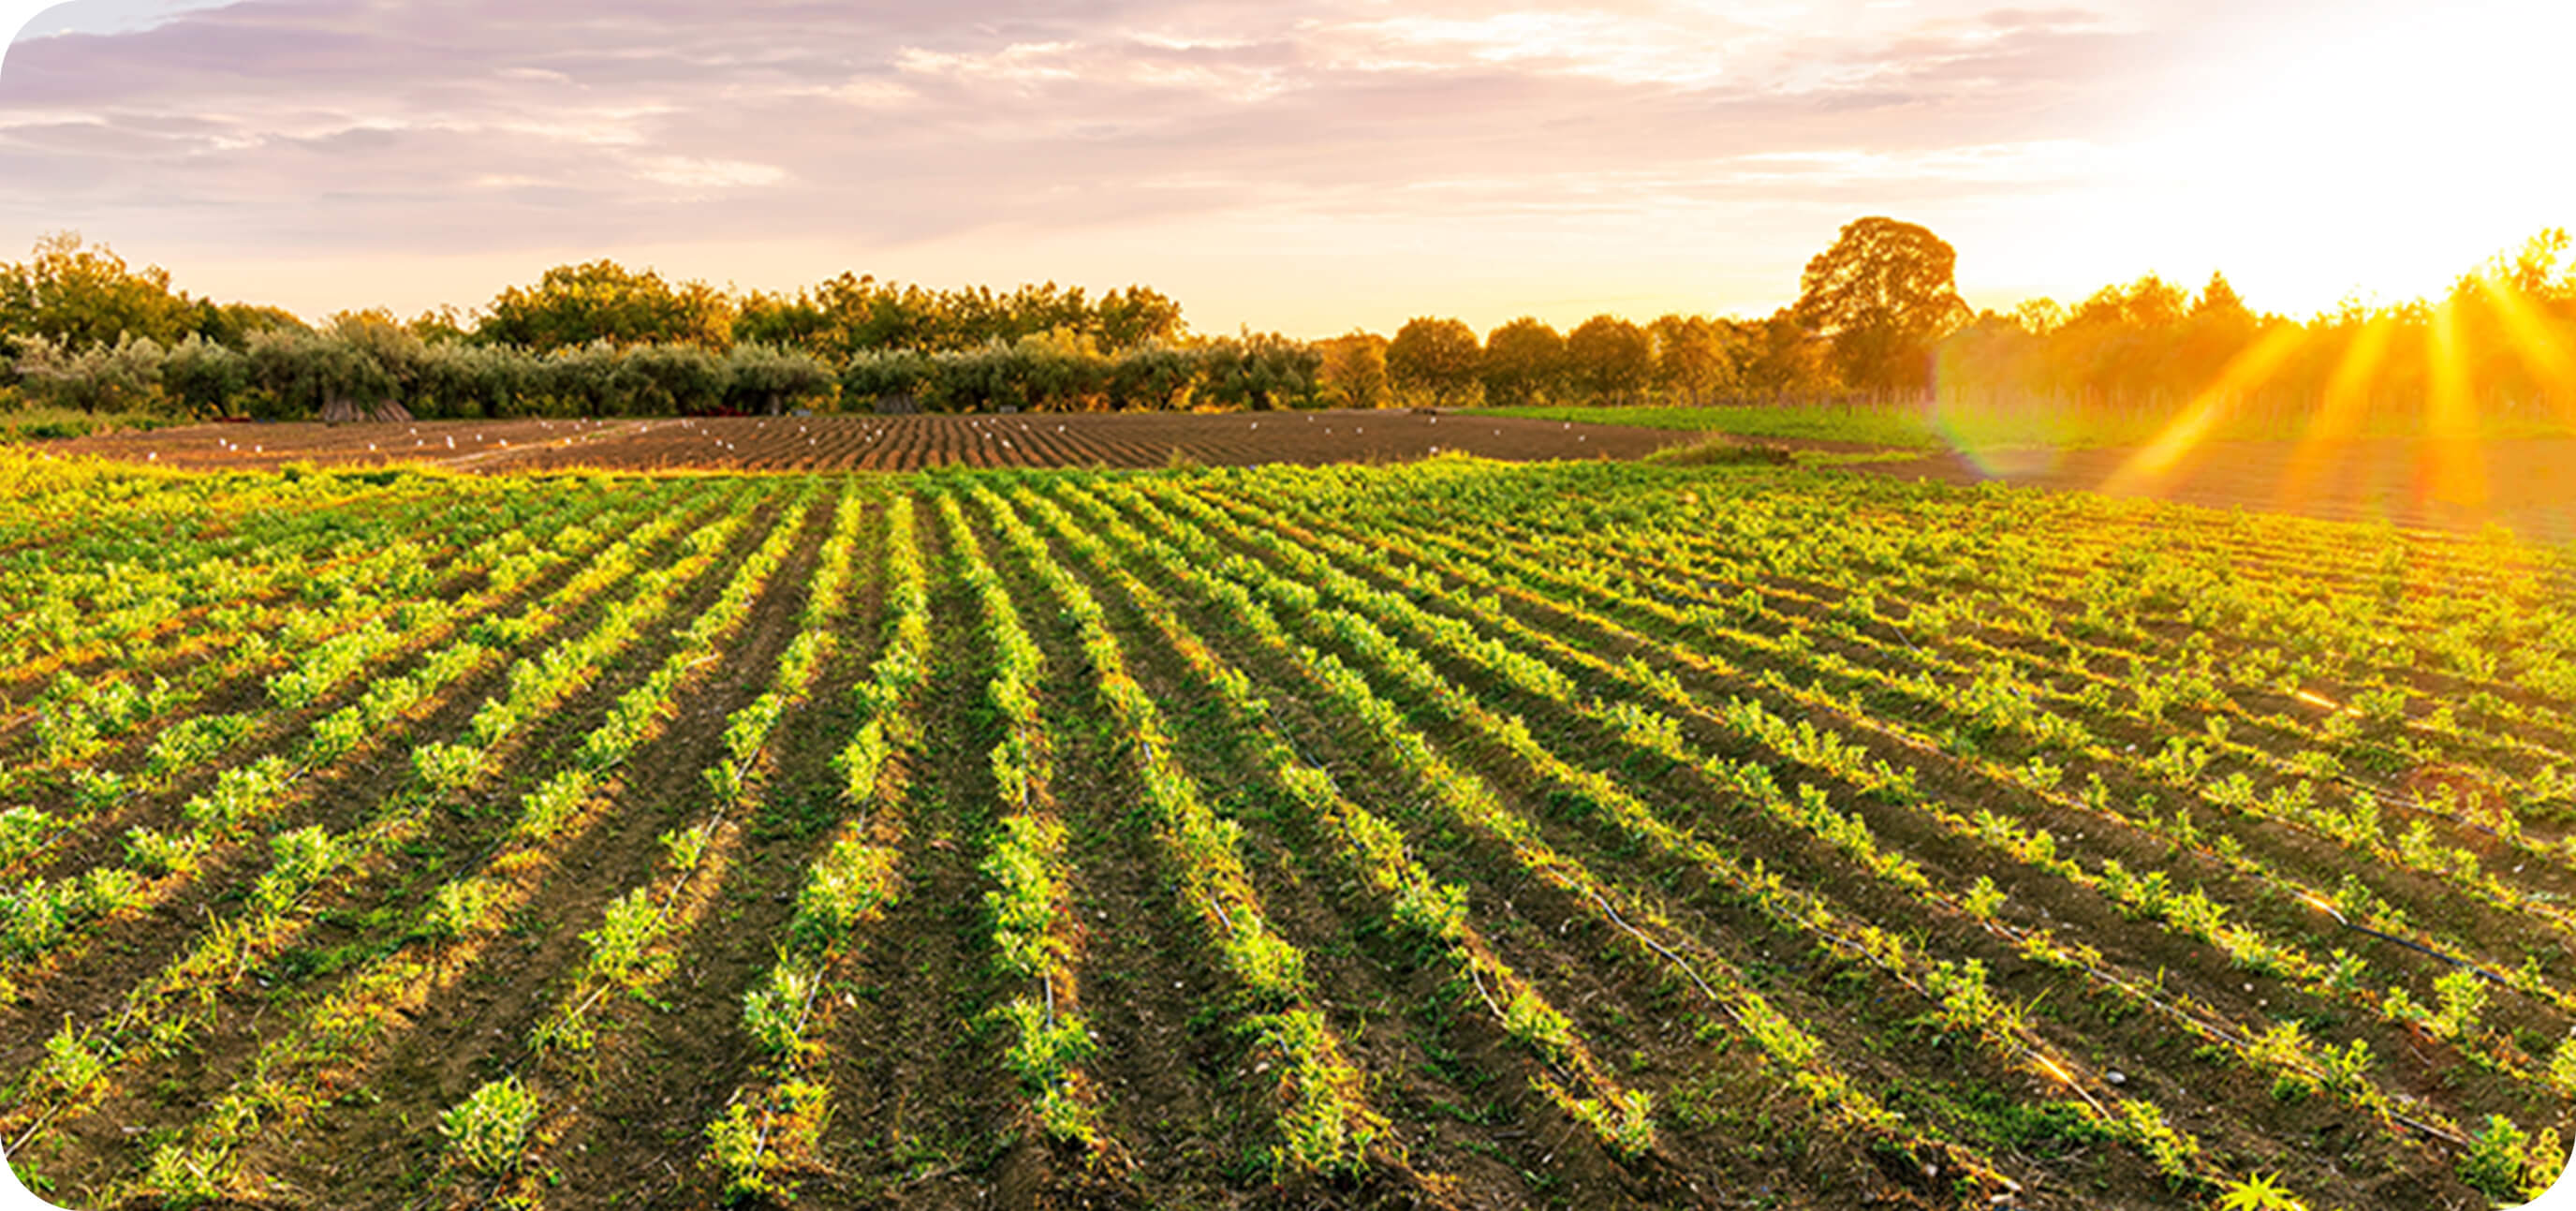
pixel 488 1131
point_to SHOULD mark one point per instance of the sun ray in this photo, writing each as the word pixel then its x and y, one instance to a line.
pixel 2339 414
pixel 2249 367
pixel 2453 469
pixel 2535 339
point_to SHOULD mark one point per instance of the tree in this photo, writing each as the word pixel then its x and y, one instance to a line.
pixel 381 339
pixel 2216 331
pixel 1609 358
pixel 440 325
pixel 1157 376
pixel 203 376
pixel 1524 363
pixel 792 322
pixel 671 380
pixel 767 380
pixel 306 374
pixel 581 380
pixel 2039 316
pixel 80 295
pixel 1354 371
pixel 122 377
pixel 476 381
pixel 2535 270
pixel 1884 294
pixel 1261 371
pixel 231 324
pixel 1136 315
pixel 881 377
pixel 573 305
pixel 1434 357
pixel 1785 359
pixel 2218 298
pixel 1692 358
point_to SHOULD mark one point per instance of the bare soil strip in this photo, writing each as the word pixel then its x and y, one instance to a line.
pixel 1180 1112
pixel 923 1111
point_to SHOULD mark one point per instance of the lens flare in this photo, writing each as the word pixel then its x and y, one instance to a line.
pixel 2151 465
pixel 2339 415
pixel 2533 337
pixel 2452 469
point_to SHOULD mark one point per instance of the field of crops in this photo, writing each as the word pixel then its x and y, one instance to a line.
pixel 1457 835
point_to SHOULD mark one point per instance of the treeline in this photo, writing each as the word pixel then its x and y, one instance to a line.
pixel 357 363
pixel 88 333
pixel 2500 341
pixel 1679 359
pixel 1878 317
pixel 85 332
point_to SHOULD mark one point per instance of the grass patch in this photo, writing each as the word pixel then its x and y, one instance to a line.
pixel 2017 424
pixel 1721 451
pixel 45 424
pixel 1820 422
pixel 1991 1119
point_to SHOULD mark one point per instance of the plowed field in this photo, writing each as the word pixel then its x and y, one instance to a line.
pixel 890 443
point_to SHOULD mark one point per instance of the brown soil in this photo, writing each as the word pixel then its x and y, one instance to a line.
pixel 642 1126
pixel 1173 1083
pixel 2159 1063
pixel 1457 1090
pixel 923 1113
pixel 1747 1130
pixel 476 1028
pixel 170 1089
pixel 882 443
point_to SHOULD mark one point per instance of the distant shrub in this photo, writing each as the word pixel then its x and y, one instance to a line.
pixel 1721 452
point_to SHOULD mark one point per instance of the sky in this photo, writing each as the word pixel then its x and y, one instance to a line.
pixel 1304 166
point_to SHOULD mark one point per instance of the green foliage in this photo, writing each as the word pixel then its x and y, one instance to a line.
pixel 1434 359
pixel 1609 359
pixel 1353 372
pixel 447 768
pixel 766 380
pixel 1984 899
pixel 80 296
pixel 1041 1054
pixel 1884 293
pixel 2261 1192
pixel 774 1012
pixel 488 1131
pixel 2505 1163
pixel 1524 363
pixel 119 377
pixel 458 908
pixel 575 305
pixel 2174 1154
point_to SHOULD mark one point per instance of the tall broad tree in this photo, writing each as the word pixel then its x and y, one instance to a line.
pixel 81 295
pixel 1883 295
pixel 574 305
pixel 1434 357
pixel 1693 360
pixel 1524 362
pixel 1609 358
pixel 1354 371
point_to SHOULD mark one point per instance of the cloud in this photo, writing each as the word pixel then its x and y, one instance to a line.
pixel 315 127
